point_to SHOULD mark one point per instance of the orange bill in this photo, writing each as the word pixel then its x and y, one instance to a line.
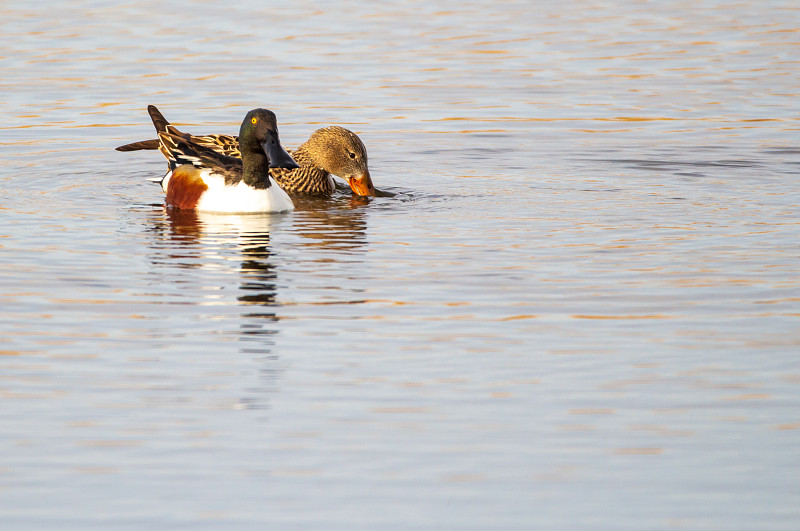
pixel 362 185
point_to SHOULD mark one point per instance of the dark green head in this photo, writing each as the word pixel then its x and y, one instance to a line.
pixel 259 135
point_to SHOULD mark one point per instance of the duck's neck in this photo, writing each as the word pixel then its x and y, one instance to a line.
pixel 310 178
pixel 255 169
pixel 305 158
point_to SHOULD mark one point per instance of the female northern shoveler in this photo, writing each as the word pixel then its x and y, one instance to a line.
pixel 202 179
pixel 330 150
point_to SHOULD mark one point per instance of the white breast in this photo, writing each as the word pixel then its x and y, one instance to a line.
pixel 241 199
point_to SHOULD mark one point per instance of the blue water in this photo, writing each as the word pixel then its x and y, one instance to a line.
pixel 575 307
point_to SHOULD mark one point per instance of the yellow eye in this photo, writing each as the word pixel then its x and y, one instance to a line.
pixel 253 120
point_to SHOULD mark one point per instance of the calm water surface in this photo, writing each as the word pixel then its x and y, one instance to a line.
pixel 577 306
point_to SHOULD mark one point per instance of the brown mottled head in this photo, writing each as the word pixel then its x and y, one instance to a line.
pixel 339 151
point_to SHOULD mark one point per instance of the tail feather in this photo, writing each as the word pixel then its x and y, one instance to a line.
pixel 159 121
pixel 136 146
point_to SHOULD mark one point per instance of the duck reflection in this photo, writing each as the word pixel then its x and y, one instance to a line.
pixel 258 292
pixel 338 225
pixel 189 239
pixel 196 250
pixel 258 274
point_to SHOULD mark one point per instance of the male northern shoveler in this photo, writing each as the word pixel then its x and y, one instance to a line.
pixel 330 150
pixel 203 179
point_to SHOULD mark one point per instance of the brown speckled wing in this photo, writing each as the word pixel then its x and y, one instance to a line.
pixel 224 144
pixel 307 179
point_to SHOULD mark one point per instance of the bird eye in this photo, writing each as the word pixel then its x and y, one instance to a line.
pixel 352 155
pixel 253 120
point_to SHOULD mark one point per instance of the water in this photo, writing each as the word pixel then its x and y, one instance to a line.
pixel 576 306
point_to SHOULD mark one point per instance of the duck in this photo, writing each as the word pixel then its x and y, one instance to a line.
pixel 202 179
pixel 331 150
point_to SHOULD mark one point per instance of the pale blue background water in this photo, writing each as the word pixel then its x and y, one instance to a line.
pixel 579 311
